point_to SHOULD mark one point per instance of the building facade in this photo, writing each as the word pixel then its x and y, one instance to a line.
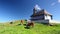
pixel 40 15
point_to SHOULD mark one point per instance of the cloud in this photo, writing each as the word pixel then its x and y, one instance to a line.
pixel 52 4
pixel 58 1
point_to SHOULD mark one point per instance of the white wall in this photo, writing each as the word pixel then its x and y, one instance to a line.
pixel 47 17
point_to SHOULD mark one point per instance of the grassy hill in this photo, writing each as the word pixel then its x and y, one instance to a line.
pixel 15 28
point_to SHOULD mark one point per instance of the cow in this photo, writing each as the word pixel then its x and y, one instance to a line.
pixel 30 23
pixel 22 21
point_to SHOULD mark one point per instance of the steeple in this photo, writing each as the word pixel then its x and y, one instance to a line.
pixel 36 9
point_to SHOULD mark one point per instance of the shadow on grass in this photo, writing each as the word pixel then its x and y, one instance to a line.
pixel 27 27
pixel 24 24
pixel 21 24
pixel 18 24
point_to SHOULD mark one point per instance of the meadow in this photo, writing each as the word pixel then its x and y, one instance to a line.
pixel 16 28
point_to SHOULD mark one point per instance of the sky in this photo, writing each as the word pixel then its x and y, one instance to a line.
pixel 23 9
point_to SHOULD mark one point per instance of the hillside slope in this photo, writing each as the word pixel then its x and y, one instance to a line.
pixel 15 28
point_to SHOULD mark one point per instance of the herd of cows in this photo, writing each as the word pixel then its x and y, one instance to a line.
pixel 28 24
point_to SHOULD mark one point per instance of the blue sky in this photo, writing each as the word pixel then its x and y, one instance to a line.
pixel 22 9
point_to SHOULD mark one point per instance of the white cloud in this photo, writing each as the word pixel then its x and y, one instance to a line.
pixel 52 4
pixel 58 1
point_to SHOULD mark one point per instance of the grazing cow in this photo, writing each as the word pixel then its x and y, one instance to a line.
pixel 22 21
pixel 30 23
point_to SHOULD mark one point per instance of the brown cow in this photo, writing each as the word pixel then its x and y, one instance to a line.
pixel 22 21
pixel 30 24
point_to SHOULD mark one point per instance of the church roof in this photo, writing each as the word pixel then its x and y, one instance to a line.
pixel 41 12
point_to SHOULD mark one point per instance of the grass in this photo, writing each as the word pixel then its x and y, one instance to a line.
pixel 14 28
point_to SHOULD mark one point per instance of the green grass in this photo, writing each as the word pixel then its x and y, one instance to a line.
pixel 14 28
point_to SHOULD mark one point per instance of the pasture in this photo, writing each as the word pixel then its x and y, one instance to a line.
pixel 16 28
